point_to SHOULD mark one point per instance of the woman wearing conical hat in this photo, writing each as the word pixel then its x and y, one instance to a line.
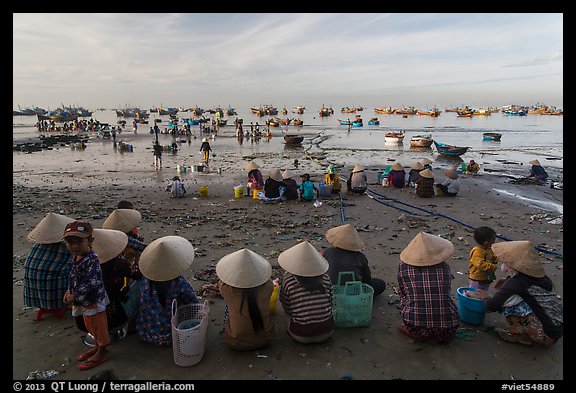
pixel 426 163
pixel 450 186
pixel 357 182
pixel 537 171
pixel 526 297
pixel 273 184
pixel 345 255
pixel 46 268
pixel 126 219
pixel 427 309
pixel 163 264
pixel 306 294
pixel 414 173
pixel 246 287
pixel 425 184
pixel 397 176
pixel 255 179
pixel 291 192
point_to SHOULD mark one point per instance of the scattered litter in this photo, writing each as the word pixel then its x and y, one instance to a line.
pixel 317 203
pixel 42 374
pixel 557 221
pixel 261 356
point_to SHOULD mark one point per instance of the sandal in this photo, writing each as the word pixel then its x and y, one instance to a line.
pixel 505 335
pixel 404 330
pixel 85 355
pixel 88 364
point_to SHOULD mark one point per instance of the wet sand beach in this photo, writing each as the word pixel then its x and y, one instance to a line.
pixel 219 224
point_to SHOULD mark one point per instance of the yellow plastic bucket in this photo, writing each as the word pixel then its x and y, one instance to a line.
pixel 255 193
pixel 238 192
pixel 203 190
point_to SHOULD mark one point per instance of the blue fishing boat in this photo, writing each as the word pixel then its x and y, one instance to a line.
pixel 345 122
pixel 374 121
pixel 450 150
pixel 491 136
pixel 357 124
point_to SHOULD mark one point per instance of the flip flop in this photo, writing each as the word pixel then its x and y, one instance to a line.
pixel 88 364
pixel 85 355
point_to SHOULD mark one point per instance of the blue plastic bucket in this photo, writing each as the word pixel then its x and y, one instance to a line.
pixel 472 311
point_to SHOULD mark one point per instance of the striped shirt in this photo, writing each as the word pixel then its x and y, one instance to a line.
pixel 311 312
pixel 425 296
pixel 46 275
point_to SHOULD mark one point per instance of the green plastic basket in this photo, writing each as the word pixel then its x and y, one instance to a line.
pixel 352 302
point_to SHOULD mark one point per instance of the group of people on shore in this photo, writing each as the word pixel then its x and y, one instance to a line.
pixel 116 285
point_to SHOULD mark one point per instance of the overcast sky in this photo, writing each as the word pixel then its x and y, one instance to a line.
pixel 242 60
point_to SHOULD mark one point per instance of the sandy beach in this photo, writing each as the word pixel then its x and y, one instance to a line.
pixel 219 224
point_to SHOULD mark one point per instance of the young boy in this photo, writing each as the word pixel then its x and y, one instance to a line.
pixel 482 259
pixel 86 291
pixel 307 188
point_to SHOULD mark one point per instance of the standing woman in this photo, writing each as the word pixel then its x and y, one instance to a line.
pixel 427 309
pixel 246 287
pixel 46 268
pixel 205 149
pixel 306 294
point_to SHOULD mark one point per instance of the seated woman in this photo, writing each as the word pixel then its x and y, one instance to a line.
pixel 533 312
pixel 537 171
pixel 450 186
pixel 306 294
pixel 357 182
pixel 163 264
pixel 274 185
pixel 397 176
pixel 425 184
pixel 291 192
pixel 414 173
pixel 427 309
pixel 255 179
pixel 472 168
pixel 246 287
pixel 176 188
pixel 333 179
pixel 46 268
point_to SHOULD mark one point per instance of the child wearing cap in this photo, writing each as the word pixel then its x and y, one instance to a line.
pixel 86 291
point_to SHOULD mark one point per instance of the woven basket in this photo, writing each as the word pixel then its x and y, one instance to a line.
pixel 352 302
pixel 189 325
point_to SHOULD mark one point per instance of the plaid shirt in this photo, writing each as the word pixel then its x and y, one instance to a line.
pixel 425 187
pixel 46 275
pixel 425 299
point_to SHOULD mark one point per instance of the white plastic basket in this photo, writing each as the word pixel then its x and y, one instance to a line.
pixel 189 324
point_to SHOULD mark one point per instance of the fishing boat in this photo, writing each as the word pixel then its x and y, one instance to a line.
pixel 491 136
pixel 373 121
pixel 394 137
pixel 347 109
pixel 325 112
pixel 450 150
pixel 421 140
pixel 272 123
pixel 298 122
pixel 384 111
pixel 345 122
pixel 298 110
pixel 285 121
pixel 221 122
pixel 293 139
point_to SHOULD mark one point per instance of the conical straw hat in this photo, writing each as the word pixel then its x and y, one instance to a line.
pixel 243 269
pixel 108 243
pixel 358 168
pixel 303 260
pixel 417 166
pixel 287 174
pixel 50 229
pixel 166 258
pixel 276 175
pixel 425 161
pixel 426 250
pixel 521 256
pixel 451 173
pixel 122 220
pixel 251 165
pixel 397 167
pixel 427 173
pixel 345 237
pixel 535 162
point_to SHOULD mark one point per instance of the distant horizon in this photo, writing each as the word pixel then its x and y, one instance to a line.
pixel 247 59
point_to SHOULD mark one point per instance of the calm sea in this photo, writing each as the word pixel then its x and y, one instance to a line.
pixel 523 138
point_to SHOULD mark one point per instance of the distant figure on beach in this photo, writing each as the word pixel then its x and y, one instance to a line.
pixel 427 309
pixel 397 176
pixel 157 155
pixel 291 192
pixel 333 179
pixel 87 293
pixel 425 184
pixel 483 262
pixel 472 168
pixel 176 188
pixel 308 190
pixel 526 297
pixel 46 268
pixel 246 287
pixel 306 294
pixel 414 173
pixel 163 264
pixel 205 149
pixel 357 182
pixel 255 179
pixel 537 171
pixel 450 186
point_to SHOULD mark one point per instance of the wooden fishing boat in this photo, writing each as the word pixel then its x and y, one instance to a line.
pixel 394 137
pixel 347 109
pixel 272 123
pixel 284 111
pixel 298 110
pixel 167 111
pixel 384 111
pixel 421 140
pixel 298 122
pixel 373 121
pixel 450 150
pixel 285 121
pixel 293 139
pixel 222 122
pixel 325 112
pixel 345 122
pixel 491 136
pixel 433 112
